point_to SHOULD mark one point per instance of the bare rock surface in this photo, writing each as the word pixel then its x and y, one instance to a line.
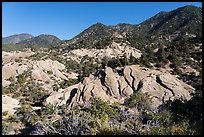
pixel 111 82
pixel 12 69
pixel 161 86
pixel 9 104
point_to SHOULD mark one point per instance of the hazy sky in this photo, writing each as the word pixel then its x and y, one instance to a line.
pixel 67 19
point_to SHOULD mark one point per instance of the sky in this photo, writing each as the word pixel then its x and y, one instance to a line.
pixel 67 19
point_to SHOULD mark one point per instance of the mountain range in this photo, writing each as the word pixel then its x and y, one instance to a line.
pixel 16 38
pixel 27 39
pixel 184 22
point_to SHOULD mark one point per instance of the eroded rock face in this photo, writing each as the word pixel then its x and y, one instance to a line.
pixel 111 87
pixel 111 82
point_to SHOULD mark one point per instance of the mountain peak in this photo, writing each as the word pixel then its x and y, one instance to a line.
pixel 190 7
pixel 98 24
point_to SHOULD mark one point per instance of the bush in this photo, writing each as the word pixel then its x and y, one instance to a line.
pixel 74 123
pixel 99 108
pixel 16 94
pixel 24 114
pixel 21 79
pixel 49 72
pixel 182 128
pixel 48 110
pixel 9 89
pixel 140 100
pixel 66 83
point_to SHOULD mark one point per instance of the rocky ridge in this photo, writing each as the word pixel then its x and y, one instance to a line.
pixel 109 86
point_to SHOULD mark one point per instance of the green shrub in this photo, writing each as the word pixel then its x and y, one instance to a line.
pixel 48 110
pixel 21 79
pixel 182 128
pixel 49 72
pixel 100 108
pixel 9 89
pixel 24 113
pixel 140 100
pixel 66 83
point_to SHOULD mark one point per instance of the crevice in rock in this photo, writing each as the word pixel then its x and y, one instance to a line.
pixel 133 81
pixel 82 93
pixel 108 92
pixel 156 97
pixel 92 94
pixel 72 94
pixel 158 80
pixel 101 75
pixel 139 86
pixel 119 88
pixel 127 82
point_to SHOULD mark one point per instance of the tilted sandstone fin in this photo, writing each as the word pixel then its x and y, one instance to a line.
pixel 159 85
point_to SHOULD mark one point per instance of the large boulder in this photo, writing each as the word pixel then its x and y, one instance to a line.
pixel 61 97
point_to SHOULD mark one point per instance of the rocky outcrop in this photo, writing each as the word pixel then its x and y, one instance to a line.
pixel 12 69
pixel 12 56
pixel 114 50
pixel 39 69
pixel 111 87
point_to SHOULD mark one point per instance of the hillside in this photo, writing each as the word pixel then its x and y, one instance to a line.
pixel 42 40
pixel 16 38
pixel 165 27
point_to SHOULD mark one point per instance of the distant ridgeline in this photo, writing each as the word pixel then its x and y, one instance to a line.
pixel 182 24
pixel 28 42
